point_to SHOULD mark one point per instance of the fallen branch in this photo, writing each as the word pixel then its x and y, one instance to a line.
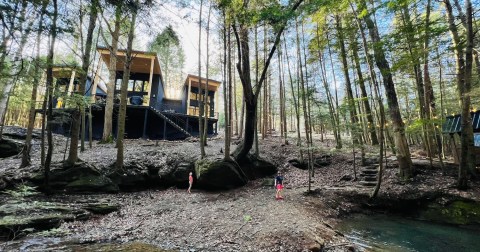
pixel 194 229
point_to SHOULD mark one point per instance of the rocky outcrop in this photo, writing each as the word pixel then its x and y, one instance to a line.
pixel 80 178
pixel 21 216
pixel 10 147
pixel 218 174
pixel 257 167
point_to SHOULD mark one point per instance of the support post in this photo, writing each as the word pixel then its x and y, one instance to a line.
pixel 150 79
pixel 186 126
pixel 96 79
pixel 144 135
pixel 70 85
pixel 164 129
pixel 188 95
pixel 215 106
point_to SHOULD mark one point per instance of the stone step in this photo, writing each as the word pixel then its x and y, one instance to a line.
pixel 372 167
pixel 369 172
pixel 368 183
pixel 368 175
pixel 370 179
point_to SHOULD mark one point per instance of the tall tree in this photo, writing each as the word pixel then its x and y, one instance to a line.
pixel 126 76
pixel 49 84
pixel 241 28
pixel 26 161
pixel 200 92
pixel 463 71
pixel 167 44
pixel 25 28
pixel 403 153
pixel 78 118
pixel 112 69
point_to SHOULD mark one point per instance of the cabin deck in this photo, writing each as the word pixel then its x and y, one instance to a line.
pixel 141 122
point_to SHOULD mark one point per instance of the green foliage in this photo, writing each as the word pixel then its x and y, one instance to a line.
pixel 247 218
pixel 109 140
pixel 22 191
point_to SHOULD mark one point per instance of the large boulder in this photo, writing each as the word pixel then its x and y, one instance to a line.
pixel 218 174
pixel 173 171
pixel 79 178
pixel 10 147
pixel 256 167
pixel 133 176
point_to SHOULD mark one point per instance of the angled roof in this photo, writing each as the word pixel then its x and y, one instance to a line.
pixel 453 123
pixel 140 63
pixel 212 84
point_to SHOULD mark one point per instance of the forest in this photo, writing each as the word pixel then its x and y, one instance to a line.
pixel 296 125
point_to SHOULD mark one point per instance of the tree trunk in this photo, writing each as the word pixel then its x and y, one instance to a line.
pixel 123 95
pixel 200 92
pixel 206 100
pixel 10 84
pixel 78 121
pixel 348 87
pixel 363 90
pixel 243 67
pixel 403 153
pixel 463 74
pixel 53 36
pixel 107 125
pixel 26 161
pixel 227 77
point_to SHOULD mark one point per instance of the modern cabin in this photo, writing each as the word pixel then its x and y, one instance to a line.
pixel 150 114
pixel 452 127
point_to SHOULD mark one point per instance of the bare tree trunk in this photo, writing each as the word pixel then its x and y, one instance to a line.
pixel 107 126
pixel 123 95
pixel 403 153
pixel 200 92
pixel 304 107
pixel 53 36
pixel 228 77
pixel 78 121
pixel 26 161
pixel 251 94
pixel 338 137
pixel 10 85
pixel 361 82
pixel 350 99
pixel 206 100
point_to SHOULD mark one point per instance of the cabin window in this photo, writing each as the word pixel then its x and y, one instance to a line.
pixel 138 86
pixel 130 85
pixel 118 84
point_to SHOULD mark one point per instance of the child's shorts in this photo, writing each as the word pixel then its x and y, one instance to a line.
pixel 279 186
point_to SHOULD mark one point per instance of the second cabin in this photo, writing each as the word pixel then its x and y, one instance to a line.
pixel 150 114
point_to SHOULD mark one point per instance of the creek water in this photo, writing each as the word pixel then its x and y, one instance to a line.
pixel 393 233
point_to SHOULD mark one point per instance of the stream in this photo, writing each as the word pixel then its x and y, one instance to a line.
pixel 393 233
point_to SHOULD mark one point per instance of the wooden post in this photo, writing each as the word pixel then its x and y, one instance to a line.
pixel 70 85
pixel 188 95
pixel 164 129
pixel 150 79
pixel 144 136
pixel 96 79
pixel 215 108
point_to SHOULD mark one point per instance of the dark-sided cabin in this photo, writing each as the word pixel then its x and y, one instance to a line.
pixel 452 127
pixel 66 84
pixel 150 114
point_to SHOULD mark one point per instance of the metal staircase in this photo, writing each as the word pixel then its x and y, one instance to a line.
pixel 168 120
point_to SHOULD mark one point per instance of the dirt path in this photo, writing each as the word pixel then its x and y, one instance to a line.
pixel 246 219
